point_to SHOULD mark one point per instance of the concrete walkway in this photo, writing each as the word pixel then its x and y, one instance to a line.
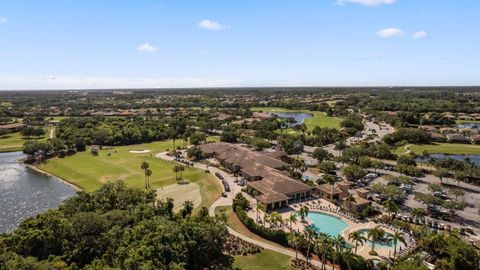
pixel 228 201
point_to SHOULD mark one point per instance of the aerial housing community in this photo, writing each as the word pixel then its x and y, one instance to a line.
pixel 282 178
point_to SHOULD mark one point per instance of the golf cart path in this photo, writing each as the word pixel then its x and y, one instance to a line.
pixel 228 201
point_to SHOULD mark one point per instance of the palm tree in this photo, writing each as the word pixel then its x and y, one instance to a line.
pixel 397 237
pixel 260 207
pixel 176 169
pixel 391 208
pixel 181 170
pixel 338 244
pixel 323 246
pixel 304 210
pixel 144 166
pixel 357 237
pixel 148 173
pixel 294 240
pixel 441 173
pixel 418 213
pixel 375 235
pixel 267 218
pixel 310 234
pixel 293 219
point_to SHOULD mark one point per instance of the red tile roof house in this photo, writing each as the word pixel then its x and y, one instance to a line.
pixel 262 170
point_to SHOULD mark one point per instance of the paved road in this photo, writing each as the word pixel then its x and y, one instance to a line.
pixel 226 201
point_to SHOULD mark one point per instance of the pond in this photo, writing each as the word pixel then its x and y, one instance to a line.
pixel 474 158
pixel 26 193
pixel 299 117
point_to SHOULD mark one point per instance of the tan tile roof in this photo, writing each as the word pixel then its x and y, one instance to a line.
pixel 271 198
pixel 14 125
pixel 330 189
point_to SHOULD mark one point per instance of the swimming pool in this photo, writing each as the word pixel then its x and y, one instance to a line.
pixel 328 224
pixel 388 244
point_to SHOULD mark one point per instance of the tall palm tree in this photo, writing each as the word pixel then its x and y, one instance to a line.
pixel 293 219
pixel 357 237
pixel 375 235
pixel 391 208
pixel 144 166
pixel 294 240
pixel 304 210
pixel 148 173
pixel 338 244
pixel 395 238
pixel 418 213
pixel 260 208
pixel 323 246
pixel 176 170
pixel 310 234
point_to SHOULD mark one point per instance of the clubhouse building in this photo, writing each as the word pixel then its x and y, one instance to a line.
pixel 264 171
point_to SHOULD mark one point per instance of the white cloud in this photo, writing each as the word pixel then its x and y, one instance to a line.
pixel 390 33
pixel 146 48
pixel 211 25
pixel 420 35
pixel 367 2
pixel 3 20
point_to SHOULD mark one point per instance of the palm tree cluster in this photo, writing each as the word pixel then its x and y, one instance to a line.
pixel 321 244
pixel 147 172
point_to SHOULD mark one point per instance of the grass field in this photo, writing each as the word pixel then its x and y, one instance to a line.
pixel 14 141
pixel 442 148
pixel 91 172
pixel 318 119
pixel 264 260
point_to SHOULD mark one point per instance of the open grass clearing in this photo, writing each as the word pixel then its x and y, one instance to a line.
pixel 319 118
pixel 264 260
pixel 14 141
pixel 441 148
pixel 181 194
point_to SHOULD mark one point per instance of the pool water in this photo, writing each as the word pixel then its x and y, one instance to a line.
pixel 328 224
pixel 388 244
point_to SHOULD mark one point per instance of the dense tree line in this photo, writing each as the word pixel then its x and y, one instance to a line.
pixel 116 228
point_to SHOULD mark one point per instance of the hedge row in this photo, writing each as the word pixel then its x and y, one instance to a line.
pixel 277 236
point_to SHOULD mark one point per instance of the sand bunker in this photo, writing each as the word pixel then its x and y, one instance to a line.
pixel 139 151
pixel 180 194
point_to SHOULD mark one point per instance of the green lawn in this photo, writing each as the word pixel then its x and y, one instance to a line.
pixel 264 260
pixel 14 141
pixel 318 119
pixel 442 148
pixel 91 172
pixel 234 222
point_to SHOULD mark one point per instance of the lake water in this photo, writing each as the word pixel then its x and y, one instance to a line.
pixel 26 193
pixel 474 158
pixel 298 116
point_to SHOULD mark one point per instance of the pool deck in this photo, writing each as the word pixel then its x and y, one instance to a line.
pixel 324 206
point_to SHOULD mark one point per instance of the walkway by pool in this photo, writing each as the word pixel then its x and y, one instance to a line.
pixel 328 224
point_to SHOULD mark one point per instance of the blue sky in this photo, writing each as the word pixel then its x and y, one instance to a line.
pixel 178 43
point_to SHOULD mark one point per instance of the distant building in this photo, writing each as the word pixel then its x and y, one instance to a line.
pixel 15 127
